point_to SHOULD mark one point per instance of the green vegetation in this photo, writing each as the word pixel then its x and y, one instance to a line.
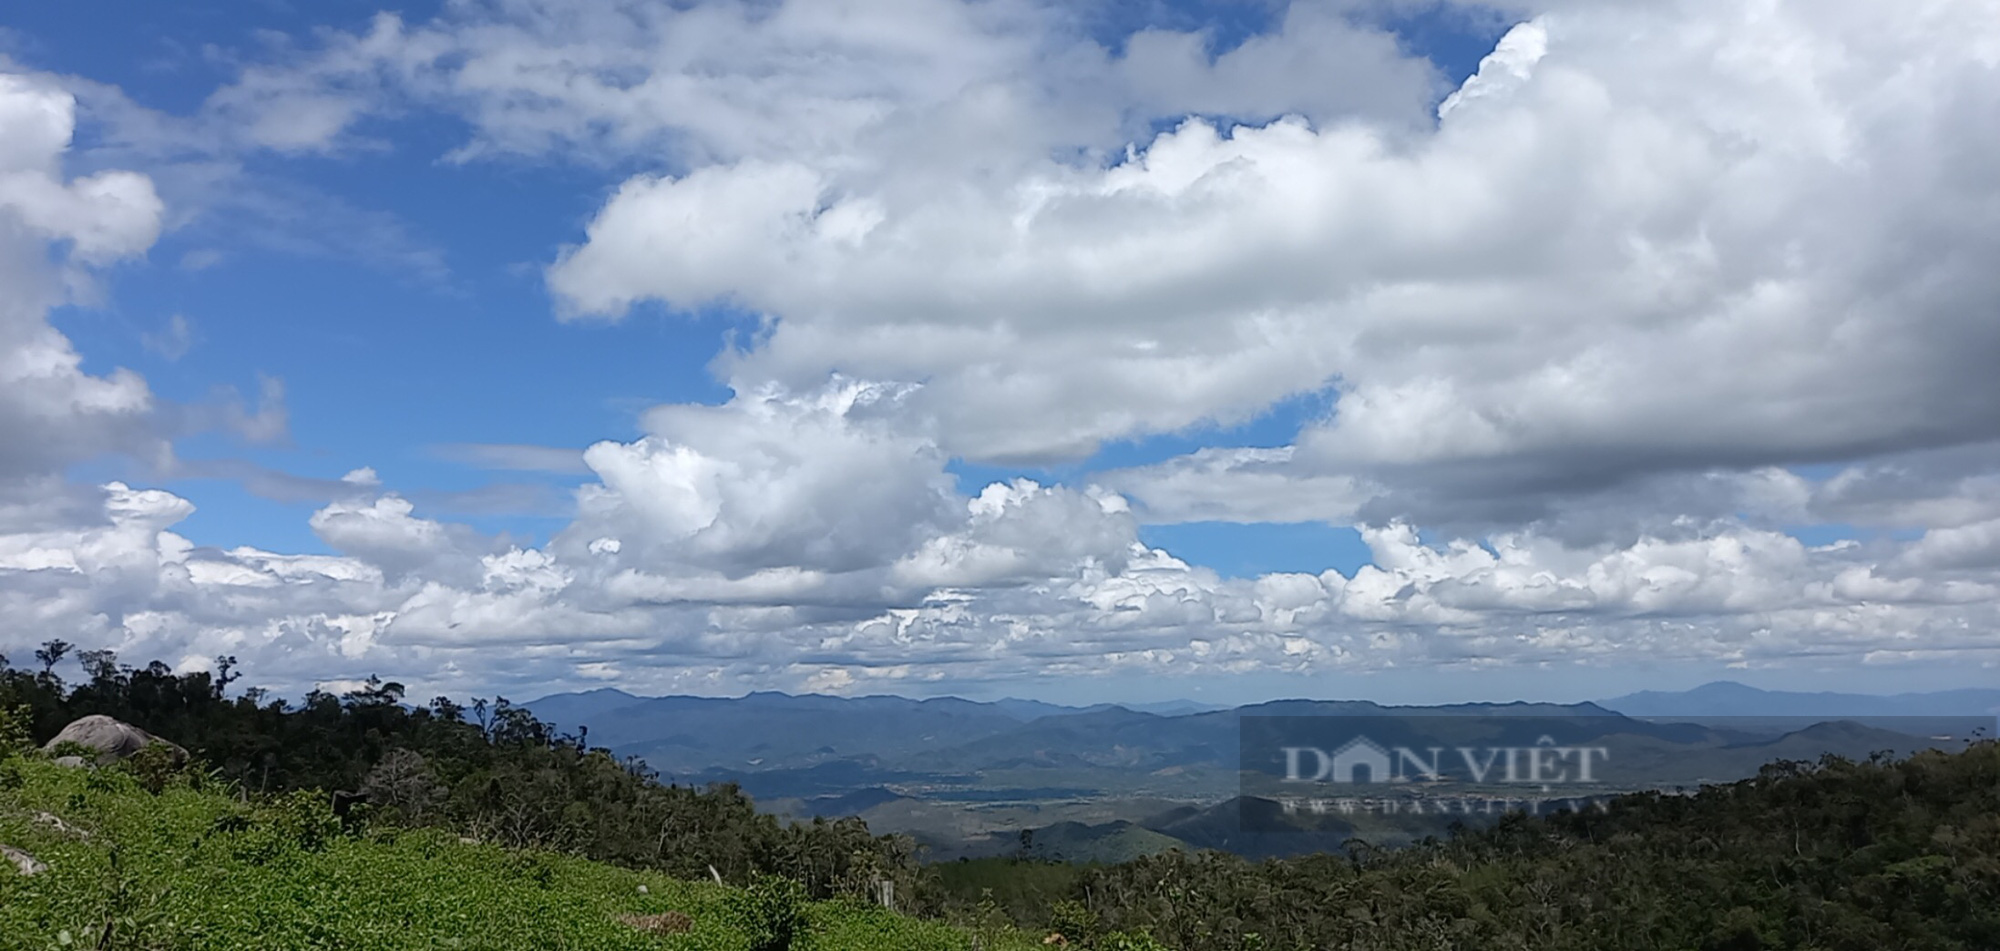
pixel 489 831
pixel 192 867
pixel 490 771
pixel 1833 856
pixel 1017 891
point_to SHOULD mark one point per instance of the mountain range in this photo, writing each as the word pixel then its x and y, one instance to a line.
pixel 1725 698
pixel 1105 781
pixel 830 741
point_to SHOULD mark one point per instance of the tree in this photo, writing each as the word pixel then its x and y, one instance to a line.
pixel 101 665
pixel 403 781
pixel 225 667
pixel 51 653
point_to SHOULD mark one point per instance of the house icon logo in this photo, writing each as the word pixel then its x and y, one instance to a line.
pixel 1359 760
pixel 1363 755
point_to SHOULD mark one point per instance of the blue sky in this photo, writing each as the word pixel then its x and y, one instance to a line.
pixel 1304 344
pixel 379 351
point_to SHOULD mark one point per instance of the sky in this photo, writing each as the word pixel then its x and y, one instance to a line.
pixel 1413 351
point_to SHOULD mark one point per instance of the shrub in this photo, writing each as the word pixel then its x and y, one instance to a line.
pixel 154 767
pixel 1077 924
pixel 770 913
pixel 14 737
pixel 295 822
pixel 72 748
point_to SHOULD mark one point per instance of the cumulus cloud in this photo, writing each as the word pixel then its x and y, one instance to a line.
pixel 1661 281
pixel 1623 249
pixel 815 481
pixel 51 411
pixel 1029 580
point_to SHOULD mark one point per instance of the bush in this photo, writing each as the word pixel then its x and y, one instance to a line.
pixel 1077 924
pixel 295 822
pixel 14 736
pixel 155 767
pixel 88 754
pixel 1128 941
pixel 770 912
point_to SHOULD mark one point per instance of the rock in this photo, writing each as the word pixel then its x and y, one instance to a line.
pixel 113 739
pixel 73 762
pixel 22 860
pixel 643 890
pixel 55 822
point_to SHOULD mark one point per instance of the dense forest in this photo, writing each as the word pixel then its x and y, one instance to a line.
pixel 1828 855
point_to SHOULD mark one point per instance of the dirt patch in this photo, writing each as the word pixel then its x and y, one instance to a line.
pixel 668 922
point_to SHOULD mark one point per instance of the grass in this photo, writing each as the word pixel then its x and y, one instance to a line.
pixel 194 868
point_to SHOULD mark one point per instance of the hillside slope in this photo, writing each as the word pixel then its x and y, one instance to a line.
pixel 190 867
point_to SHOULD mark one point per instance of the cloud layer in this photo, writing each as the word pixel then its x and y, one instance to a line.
pixel 1599 330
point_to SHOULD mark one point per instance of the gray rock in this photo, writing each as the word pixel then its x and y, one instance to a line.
pixel 55 822
pixel 23 861
pixel 73 762
pixel 113 739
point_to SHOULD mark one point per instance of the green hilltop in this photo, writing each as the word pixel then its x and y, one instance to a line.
pixel 192 866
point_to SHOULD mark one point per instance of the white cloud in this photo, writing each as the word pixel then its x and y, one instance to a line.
pixel 51 411
pixel 1637 249
pixel 1240 485
pixel 1027 579
pixel 1649 257
pixel 382 533
pixel 986 84
pixel 770 479
pixel 1964 546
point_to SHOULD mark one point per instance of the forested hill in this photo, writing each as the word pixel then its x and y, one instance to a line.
pixel 490 771
pixel 1830 856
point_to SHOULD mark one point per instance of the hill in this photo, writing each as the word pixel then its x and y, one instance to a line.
pixel 1106 842
pixel 1838 855
pixel 190 867
pixel 686 735
pixel 1724 698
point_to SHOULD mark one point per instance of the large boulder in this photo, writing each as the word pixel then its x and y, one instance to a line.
pixel 113 739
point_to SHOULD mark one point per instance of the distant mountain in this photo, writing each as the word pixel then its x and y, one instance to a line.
pixel 1725 698
pixel 886 739
pixel 1174 708
pixel 570 710
pixel 1025 710
pixel 818 749
pixel 679 735
pixel 1119 841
